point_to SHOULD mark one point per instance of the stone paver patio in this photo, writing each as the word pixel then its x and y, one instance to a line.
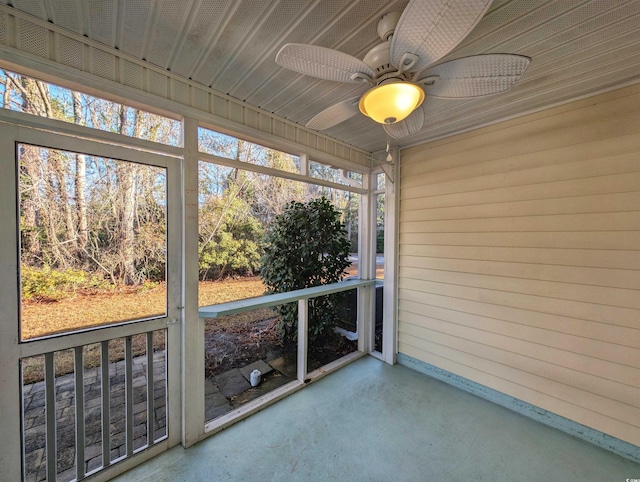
pixel 34 417
pixel 232 388
pixel 223 394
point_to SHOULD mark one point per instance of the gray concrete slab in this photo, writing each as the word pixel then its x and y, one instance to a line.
pixel 373 422
pixel 232 383
pixel 285 365
pixel 268 383
pixel 257 365
pixel 215 403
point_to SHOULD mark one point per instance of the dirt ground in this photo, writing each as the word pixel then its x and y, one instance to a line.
pixel 239 340
pixel 85 310
pixel 231 341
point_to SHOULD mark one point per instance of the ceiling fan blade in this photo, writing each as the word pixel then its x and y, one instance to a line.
pixel 322 62
pixel 430 29
pixel 410 125
pixel 476 75
pixel 335 114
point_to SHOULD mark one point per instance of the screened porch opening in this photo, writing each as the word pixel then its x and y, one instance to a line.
pixel 215 265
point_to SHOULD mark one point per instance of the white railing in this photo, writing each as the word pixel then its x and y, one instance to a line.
pixel 302 297
pixel 106 429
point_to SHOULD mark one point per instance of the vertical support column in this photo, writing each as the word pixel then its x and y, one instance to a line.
pixel 303 340
pixel 50 414
pixel 128 383
pixel 10 383
pixel 192 328
pixel 79 388
pixel 150 386
pixel 106 406
pixel 175 302
pixel 367 261
pixel 390 300
pixel 304 164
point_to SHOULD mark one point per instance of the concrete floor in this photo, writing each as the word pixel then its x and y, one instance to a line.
pixel 374 422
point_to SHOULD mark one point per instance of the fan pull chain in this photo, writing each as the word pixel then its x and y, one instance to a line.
pixel 389 156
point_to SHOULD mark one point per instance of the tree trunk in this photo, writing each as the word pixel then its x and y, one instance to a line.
pixel 29 201
pixel 125 234
pixel 52 214
pixel 63 204
pixel 80 185
pixel 34 101
pixel 126 180
pixel 6 96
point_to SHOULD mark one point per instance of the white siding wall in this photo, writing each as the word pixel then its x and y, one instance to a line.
pixel 520 259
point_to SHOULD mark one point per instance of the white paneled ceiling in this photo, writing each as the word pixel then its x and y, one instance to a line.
pixel 578 47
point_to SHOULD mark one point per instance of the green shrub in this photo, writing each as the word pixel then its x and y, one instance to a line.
pixel 380 243
pixel 306 246
pixel 51 284
pixel 230 238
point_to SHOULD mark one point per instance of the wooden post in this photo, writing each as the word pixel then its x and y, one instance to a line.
pixel 10 383
pixel 303 331
pixel 192 326
pixel 389 319
pixel 366 269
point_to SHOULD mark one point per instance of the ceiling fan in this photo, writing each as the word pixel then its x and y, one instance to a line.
pixel 402 69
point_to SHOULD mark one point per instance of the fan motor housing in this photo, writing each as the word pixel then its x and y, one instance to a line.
pixel 387 25
pixel 378 58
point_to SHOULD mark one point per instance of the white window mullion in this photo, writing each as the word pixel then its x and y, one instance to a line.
pixel 10 385
pixel 50 414
pixel 175 301
pixel 303 338
pixel 192 327
pixel 366 258
pixel 389 323
pixel 80 415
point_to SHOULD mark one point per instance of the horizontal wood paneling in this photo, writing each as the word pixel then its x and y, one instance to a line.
pixel 596 258
pixel 598 203
pixel 550 322
pixel 546 165
pixel 611 183
pixel 628 279
pixel 520 259
pixel 570 344
pixel 587 123
pixel 527 358
pixel 627 298
pixel 513 384
pixel 612 315
pixel 627 240
pixel 573 223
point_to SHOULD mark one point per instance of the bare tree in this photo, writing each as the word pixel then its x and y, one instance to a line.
pixel 57 168
pixel 33 101
pixel 29 194
pixel 6 96
pixel 80 185
pixel 273 193
pixel 126 201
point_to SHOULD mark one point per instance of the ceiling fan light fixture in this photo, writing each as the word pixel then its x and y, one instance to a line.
pixel 391 102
